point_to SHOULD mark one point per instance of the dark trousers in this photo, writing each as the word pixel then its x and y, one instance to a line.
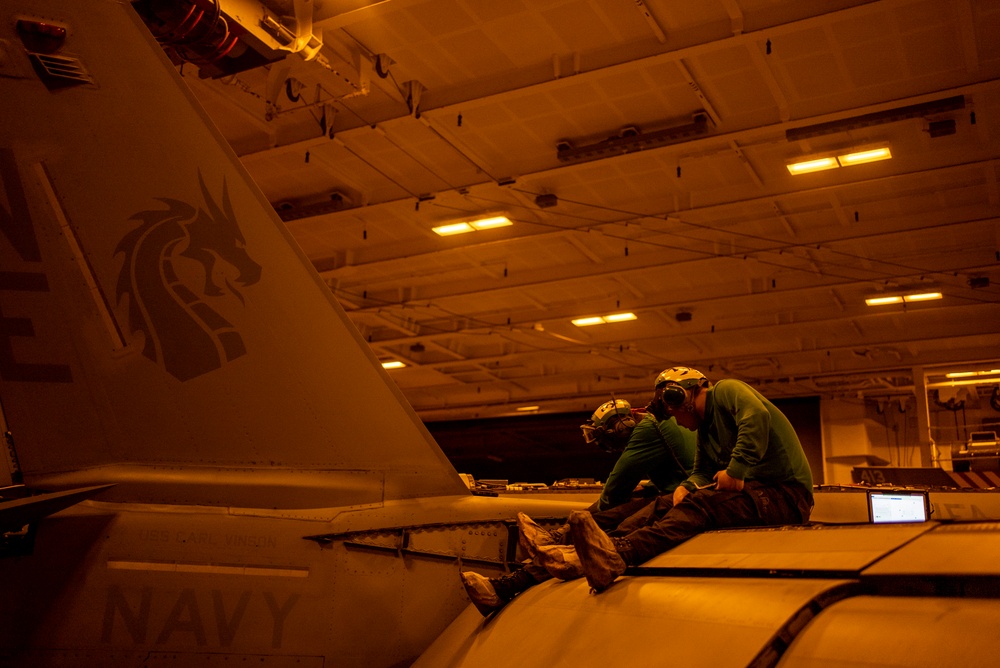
pixel 660 525
pixel 610 519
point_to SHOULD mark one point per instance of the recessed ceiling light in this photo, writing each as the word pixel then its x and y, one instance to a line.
pixel 489 223
pixel 879 301
pixel 816 165
pixel 922 297
pixel 845 160
pixel 619 317
pixel 898 299
pixel 452 228
pixel 861 157
pixel 472 225
pixel 394 364
pixel 967 374
pixel 601 319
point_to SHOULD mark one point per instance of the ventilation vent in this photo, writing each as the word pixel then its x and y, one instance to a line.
pixel 56 71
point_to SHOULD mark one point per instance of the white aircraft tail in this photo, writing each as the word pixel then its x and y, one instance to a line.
pixel 159 328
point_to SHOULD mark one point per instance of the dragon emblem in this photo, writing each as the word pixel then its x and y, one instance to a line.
pixel 172 274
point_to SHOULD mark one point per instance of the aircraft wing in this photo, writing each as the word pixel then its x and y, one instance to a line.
pixel 16 513
pixel 859 595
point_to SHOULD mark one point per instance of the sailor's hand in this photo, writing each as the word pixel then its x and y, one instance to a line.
pixel 680 493
pixel 724 481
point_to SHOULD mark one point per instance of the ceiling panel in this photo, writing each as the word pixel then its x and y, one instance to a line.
pixel 434 111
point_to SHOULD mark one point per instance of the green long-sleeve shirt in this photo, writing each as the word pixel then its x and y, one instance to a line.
pixel 745 434
pixel 662 451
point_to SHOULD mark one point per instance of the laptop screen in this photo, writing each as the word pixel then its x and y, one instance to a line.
pixel 898 506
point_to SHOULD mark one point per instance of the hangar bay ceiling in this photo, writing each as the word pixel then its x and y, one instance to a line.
pixel 640 150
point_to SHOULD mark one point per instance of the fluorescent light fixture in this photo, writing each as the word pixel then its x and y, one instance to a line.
pixel 899 299
pixel 601 319
pixel 619 317
pixel 472 225
pixel 394 364
pixel 922 297
pixel 453 228
pixel 879 301
pixel 846 160
pixel 528 409
pixel 490 223
pixel 817 165
pixel 861 157
pixel 966 374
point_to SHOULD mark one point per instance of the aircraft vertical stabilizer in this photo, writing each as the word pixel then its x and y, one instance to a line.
pixel 159 328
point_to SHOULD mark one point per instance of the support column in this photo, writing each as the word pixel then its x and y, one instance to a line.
pixel 929 454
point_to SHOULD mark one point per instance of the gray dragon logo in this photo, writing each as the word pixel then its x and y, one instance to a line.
pixel 184 334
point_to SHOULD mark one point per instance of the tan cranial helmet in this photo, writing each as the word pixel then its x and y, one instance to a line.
pixel 672 384
pixel 680 375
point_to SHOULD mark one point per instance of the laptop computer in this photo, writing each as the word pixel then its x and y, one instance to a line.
pixel 898 505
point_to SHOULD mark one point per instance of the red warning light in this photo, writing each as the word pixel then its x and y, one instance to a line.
pixel 39 36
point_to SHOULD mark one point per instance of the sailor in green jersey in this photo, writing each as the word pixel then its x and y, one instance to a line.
pixel 659 450
pixel 749 470
pixel 651 447
pixel 742 437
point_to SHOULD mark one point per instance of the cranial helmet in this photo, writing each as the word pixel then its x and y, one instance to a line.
pixel 681 375
pixel 675 380
pixel 610 426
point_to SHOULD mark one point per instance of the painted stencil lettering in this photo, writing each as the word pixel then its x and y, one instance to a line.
pixel 190 617
pixel 136 620
pixel 17 228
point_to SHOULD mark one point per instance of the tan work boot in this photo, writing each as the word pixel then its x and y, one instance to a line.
pixel 530 535
pixel 599 560
pixel 560 561
pixel 491 594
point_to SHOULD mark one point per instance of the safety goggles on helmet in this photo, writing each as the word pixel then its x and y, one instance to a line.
pixel 611 425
